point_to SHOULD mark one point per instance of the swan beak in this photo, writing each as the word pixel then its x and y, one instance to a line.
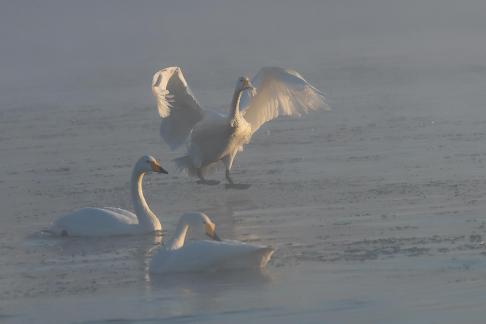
pixel 157 168
pixel 214 236
pixel 250 87
pixel 211 231
pixel 247 85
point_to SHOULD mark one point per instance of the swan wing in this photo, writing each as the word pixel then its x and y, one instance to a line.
pixel 176 104
pixel 280 92
pixel 229 254
pixel 131 218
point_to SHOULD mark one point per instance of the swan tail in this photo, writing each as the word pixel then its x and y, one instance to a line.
pixel 186 164
pixel 55 230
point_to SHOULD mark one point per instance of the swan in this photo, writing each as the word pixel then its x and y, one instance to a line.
pixel 213 137
pixel 108 221
pixel 205 255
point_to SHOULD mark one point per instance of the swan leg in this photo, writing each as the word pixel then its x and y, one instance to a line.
pixel 227 174
pixel 228 161
pixel 231 184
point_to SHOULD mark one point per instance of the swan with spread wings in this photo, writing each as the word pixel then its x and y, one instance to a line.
pixel 212 137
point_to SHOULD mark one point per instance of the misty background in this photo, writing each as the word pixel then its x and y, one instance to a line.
pixel 376 208
pixel 65 53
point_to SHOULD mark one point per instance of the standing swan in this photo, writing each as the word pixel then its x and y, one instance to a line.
pixel 214 137
pixel 206 255
pixel 114 221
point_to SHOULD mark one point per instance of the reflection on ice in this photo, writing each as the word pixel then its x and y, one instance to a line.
pixel 211 284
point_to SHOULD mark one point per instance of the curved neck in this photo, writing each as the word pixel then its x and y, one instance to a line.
pixel 146 218
pixel 180 236
pixel 235 104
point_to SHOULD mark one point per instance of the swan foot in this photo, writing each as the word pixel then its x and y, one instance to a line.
pixel 204 181
pixel 239 186
pixel 208 182
pixel 232 185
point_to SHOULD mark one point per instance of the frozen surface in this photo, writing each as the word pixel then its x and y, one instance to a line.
pixel 376 208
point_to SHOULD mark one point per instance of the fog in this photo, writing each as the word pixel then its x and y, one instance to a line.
pixel 104 52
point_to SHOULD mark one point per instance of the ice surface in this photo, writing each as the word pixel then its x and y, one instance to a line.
pixel 376 208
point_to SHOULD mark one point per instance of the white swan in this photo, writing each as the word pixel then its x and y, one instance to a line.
pixel 114 221
pixel 206 255
pixel 214 137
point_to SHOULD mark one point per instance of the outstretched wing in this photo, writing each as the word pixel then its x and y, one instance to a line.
pixel 177 106
pixel 280 92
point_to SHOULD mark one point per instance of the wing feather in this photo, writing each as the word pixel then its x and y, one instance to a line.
pixel 280 92
pixel 176 105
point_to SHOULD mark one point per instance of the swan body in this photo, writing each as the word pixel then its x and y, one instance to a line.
pixel 109 221
pixel 205 255
pixel 213 137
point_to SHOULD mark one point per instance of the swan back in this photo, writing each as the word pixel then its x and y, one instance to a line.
pixel 91 221
pixel 211 256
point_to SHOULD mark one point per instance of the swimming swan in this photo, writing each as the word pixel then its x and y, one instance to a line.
pixel 204 255
pixel 114 221
pixel 213 137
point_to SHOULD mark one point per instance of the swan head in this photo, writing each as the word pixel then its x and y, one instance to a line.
pixel 210 229
pixel 148 163
pixel 197 219
pixel 244 83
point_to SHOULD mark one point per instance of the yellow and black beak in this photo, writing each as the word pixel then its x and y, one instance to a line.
pixel 211 232
pixel 247 85
pixel 157 168
pixel 215 237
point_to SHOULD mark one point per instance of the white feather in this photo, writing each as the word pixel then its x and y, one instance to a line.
pixel 109 221
pixel 176 104
pixel 204 255
pixel 214 137
pixel 280 92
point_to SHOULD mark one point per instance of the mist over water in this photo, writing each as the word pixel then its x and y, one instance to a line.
pixel 87 52
pixel 376 209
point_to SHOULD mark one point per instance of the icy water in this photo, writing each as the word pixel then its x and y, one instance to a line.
pixel 375 209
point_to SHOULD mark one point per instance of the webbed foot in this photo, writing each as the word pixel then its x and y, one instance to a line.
pixel 208 182
pixel 239 186
pixel 204 181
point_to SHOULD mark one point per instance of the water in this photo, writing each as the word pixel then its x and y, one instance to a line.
pixel 375 208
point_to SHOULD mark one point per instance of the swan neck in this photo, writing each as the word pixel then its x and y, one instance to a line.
pixel 180 236
pixel 235 104
pixel 146 218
